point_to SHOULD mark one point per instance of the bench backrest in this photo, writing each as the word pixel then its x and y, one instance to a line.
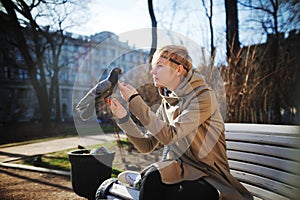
pixel 265 159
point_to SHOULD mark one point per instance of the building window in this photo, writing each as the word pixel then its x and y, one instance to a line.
pixel 113 52
pixel 64 76
pixel 103 52
pixel 64 93
pixel 38 74
pixel 22 74
pixel 64 109
pixel 6 72
pixel 19 56
pixel 73 77
pixel 104 65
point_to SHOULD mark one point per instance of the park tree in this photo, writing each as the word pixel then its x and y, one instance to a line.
pixel 153 29
pixel 232 28
pixel 32 41
pixel 234 72
pixel 59 13
pixel 275 18
pixel 259 77
pixel 148 91
pixel 209 14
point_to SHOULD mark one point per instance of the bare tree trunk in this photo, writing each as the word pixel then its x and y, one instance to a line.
pixel 56 42
pixel 148 91
pixel 39 86
pixel 275 106
pixel 232 31
pixel 154 29
pixel 57 99
pixel 209 15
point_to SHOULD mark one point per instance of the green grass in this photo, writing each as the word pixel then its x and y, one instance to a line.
pixel 108 129
pixel 58 163
pixel 60 160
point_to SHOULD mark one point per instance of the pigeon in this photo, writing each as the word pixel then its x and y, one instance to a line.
pixel 101 91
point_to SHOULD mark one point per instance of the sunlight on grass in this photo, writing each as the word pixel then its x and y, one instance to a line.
pixel 60 160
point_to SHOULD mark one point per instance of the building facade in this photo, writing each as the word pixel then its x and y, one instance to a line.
pixel 83 61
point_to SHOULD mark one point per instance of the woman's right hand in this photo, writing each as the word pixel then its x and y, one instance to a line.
pixel 126 90
pixel 117 109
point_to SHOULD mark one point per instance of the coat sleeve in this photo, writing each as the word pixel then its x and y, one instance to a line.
pixel 145 143
pixel 199 109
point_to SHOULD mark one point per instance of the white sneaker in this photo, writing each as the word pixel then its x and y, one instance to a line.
pixel 130 178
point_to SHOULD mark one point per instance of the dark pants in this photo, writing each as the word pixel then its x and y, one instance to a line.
pixel 153 188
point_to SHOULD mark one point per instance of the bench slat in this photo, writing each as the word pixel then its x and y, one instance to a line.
pixel 265 183
pixel 265 159
pixel 281 152
pixel 263 128
pixel 260 193
pixel 287 178
pixel 277 163
pixel 276 140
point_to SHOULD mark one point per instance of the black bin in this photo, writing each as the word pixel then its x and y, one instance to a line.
pixel 89 171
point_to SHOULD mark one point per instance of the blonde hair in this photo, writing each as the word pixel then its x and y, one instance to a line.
pixel 175 55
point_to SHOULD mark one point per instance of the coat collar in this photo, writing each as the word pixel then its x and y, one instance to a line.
pixel 192 80
pixel 185 84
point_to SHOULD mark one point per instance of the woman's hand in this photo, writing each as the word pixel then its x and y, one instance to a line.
pixel 117 109
pixel 126 90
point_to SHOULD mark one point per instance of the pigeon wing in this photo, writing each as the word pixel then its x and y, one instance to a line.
pixel 103 89
pixel 88 112
pixel 88 103
pixel 86 100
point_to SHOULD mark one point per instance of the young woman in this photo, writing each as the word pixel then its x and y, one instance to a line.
pixel 189 126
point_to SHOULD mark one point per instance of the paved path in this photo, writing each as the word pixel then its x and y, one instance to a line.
pixel 22 181
pixel 124 160
pixel 18 151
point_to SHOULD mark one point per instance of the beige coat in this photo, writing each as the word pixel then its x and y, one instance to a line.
pixel 188 121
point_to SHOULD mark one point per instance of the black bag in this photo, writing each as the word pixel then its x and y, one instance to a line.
pixel 103 189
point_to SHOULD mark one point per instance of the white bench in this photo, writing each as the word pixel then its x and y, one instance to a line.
pixel 265 159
